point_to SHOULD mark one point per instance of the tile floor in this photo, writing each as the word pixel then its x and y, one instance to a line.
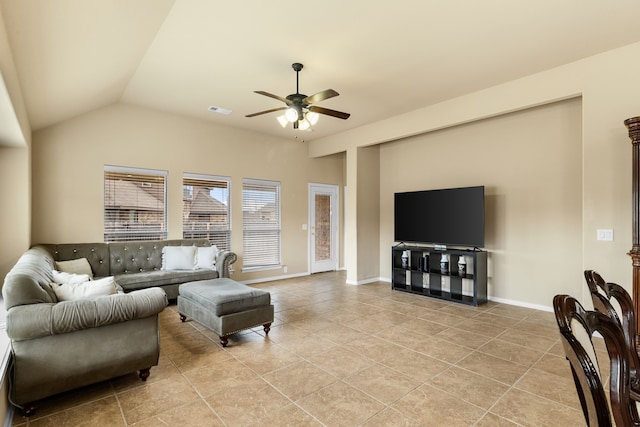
pixel 342 355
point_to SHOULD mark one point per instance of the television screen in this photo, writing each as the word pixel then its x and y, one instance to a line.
pixel 453 216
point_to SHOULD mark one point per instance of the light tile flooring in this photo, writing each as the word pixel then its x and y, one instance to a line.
pixel 343 355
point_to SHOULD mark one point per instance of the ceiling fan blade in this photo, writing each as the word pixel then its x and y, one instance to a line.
pixel 320 96
pixel 270 95
pixel 266 111
pixel 328 112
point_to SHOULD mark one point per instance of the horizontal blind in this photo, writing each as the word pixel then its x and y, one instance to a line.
pixel 261 224
pixel 206 209
pixel 134 204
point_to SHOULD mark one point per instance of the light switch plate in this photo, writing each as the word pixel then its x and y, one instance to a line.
pixel 605 234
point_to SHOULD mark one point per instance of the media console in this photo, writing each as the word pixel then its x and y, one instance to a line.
pixel 418 270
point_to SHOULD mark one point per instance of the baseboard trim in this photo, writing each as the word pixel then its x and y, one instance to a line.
pixel 273 278
pixel 366 281
pixel 522 304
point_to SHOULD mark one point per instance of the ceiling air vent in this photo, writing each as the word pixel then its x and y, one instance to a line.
pixel 219 110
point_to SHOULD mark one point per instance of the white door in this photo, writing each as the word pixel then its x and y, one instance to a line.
pixel 323 227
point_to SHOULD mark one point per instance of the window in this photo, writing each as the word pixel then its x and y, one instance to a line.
pixel 261 224
pixel 134 204
pixel 206 212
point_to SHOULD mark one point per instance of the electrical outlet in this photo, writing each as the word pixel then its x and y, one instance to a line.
pixel 284 268
pixel 604 234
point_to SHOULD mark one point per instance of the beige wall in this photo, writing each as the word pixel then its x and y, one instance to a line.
pixel 530 163
pixel 607 84
pixel 15 214
pixel 68 162
pixel 362 220
pixel 368 212
pixel 15 172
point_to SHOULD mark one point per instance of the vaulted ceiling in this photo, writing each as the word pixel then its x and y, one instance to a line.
pixel 384 58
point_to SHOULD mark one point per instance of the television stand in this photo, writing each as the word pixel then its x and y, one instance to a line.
pixel 421 273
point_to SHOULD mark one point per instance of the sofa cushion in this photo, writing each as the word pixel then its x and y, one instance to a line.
pixel 179 257
pixel 75 266
pixel 86 290
pixel 206 257
pixel 130 282
pixel 69 278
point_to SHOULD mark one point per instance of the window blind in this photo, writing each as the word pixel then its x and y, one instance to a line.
pixel 260 224
pixel 206 209
pixel 134 204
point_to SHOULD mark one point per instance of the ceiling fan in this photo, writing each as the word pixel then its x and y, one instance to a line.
pixel 300 109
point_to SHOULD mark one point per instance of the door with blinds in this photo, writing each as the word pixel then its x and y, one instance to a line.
pixel 323 227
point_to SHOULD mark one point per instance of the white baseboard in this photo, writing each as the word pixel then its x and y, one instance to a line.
pixel 522 304
pixel 365 281
pixel 274 278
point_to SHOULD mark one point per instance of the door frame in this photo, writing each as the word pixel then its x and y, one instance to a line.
pixel 334 193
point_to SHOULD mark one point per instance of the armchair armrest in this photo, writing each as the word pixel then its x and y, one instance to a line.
pixel 224 261
pixel 30 321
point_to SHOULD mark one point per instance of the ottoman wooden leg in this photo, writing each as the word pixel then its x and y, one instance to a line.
pixel 29 409
pixel 267 328
pixel 144 373
pixel 224 340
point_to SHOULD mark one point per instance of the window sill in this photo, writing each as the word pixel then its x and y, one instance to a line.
pixel 262 268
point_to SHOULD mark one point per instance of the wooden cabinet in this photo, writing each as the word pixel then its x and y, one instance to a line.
pixel 435 273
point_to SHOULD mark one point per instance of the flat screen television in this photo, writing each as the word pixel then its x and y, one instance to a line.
pixel 453 216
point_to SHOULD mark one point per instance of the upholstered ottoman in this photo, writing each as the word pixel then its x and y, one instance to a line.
pixel 225 306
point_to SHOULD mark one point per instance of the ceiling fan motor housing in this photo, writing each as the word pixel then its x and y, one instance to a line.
pixel 296 98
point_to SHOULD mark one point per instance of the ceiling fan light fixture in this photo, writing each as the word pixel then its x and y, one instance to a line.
pixel 312 117
pixel 304 124
pixel 292 114
pixel 283 121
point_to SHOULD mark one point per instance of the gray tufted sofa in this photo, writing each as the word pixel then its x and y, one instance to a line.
pixel 61 345
pixel 138 264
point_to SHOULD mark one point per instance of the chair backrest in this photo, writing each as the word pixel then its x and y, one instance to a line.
pixel 597 286
pixel 577 327
pixel 614 300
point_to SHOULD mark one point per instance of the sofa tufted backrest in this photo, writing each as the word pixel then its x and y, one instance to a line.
pixel 140 256
pixel 96 253
pixel 28 281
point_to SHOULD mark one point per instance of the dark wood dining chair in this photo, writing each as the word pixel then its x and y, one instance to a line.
pixel 614 300
pixel 577 327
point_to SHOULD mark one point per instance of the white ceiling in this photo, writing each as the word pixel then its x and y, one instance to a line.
pixel 384 58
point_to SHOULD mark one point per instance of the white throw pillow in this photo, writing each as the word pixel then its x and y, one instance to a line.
pixel 178 258
pixel 69 278
pixel 75 266
pixel 207 257
pixel 86 290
